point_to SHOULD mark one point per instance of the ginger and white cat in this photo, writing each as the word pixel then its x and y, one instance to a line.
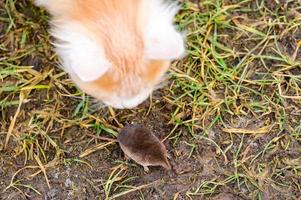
pixel 115 50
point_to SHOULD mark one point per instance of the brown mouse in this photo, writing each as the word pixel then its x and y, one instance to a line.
pixel 141 145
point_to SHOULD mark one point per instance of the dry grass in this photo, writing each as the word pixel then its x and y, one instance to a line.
pixel 230 112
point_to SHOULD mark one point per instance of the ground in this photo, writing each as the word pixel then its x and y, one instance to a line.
pixel 229 112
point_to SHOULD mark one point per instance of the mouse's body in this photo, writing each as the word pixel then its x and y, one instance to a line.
pixel 141 145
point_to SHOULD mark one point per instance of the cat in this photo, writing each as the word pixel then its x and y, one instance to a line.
pixel 117 51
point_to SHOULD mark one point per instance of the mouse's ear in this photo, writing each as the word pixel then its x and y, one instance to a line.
pixel 80 53
pixel 163 41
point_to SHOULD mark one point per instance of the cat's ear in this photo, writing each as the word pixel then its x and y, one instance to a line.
pixel 164 43
pixel 40 2
pixel 55 7
pixel 80 53
pixel 162 40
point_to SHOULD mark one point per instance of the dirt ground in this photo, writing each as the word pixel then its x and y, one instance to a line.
pixel 229 112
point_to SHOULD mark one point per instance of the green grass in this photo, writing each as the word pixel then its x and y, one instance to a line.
pixel 231 108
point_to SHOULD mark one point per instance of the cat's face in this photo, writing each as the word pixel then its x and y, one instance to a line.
pixel 115 50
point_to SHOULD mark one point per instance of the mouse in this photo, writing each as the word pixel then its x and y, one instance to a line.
pixel 141 145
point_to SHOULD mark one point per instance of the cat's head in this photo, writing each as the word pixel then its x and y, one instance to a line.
pixel 116 50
